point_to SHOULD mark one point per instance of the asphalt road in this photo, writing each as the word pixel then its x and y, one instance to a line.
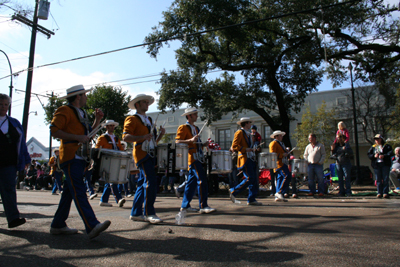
pixel 357 231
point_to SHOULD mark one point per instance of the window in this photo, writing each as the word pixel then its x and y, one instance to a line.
pixel 266 136
pixel 341 101
pixel 224 139
pixel 171 119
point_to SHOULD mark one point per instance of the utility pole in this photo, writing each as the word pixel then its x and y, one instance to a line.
pixel 355 125
pixel 50 139
pixel 30 71
pixel 35 28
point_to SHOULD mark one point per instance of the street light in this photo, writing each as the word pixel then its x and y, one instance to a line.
pixel 355 125
pixel 35 112
pixel 11 81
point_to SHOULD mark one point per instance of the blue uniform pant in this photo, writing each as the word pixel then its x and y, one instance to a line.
pixel 108 188
pixel 57 182
pixel 249 181
pixel 74 189
pixel 8 192
pixel 146 192
pixel 344 171
pixel 382 178
pixel 133 182
pixel 196 176
pixel 282 179
pixel 88 181
pixel 123 187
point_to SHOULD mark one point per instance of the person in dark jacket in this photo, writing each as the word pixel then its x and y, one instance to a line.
pixel 380 155
pixel 14 157
pixel 342 152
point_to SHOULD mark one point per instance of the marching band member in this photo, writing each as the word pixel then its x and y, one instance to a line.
pixel 189 134
pixel 110 141
pixel 55 172
pixel 282 173
pixel 139 130
pixel 71 124
pixel 242 143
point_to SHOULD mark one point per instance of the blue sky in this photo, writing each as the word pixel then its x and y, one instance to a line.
pixel 83 28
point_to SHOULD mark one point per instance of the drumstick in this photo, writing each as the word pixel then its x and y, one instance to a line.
pixel 292 150
pixel 202 128
pixel 154 124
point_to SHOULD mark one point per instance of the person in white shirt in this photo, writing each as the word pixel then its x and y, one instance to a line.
pixel 315 156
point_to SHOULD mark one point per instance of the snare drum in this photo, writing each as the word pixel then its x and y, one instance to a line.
pixel 115 165
pixel 181 156
pixel 268 160
pixel 221 162
pixel 300 166
pixel 162 156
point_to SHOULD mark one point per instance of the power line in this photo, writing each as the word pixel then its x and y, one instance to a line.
pixel 14 50
pixel 185 36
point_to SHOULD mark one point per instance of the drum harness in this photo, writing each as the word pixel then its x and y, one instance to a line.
pixel 284 159
pixel 146 144
pixel 84 151
pixel 198 155
pixel 251 155
pixel 114 145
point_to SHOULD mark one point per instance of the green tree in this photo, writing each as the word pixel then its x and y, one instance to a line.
pixel 112 101
pixel 322 124
pixel 272 65
pixel 51 107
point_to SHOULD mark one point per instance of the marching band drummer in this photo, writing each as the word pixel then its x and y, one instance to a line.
pixel 110 141
pixel 71 124
pixel 283 175
pixel 242 143
pixel 139 130
pixel 189 134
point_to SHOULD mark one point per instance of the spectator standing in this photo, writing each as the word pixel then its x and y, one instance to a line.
pixel 256 136
pixel 342 153
pixel 315 156
pixel 380 155
pixel 14 157
pixel 395 170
